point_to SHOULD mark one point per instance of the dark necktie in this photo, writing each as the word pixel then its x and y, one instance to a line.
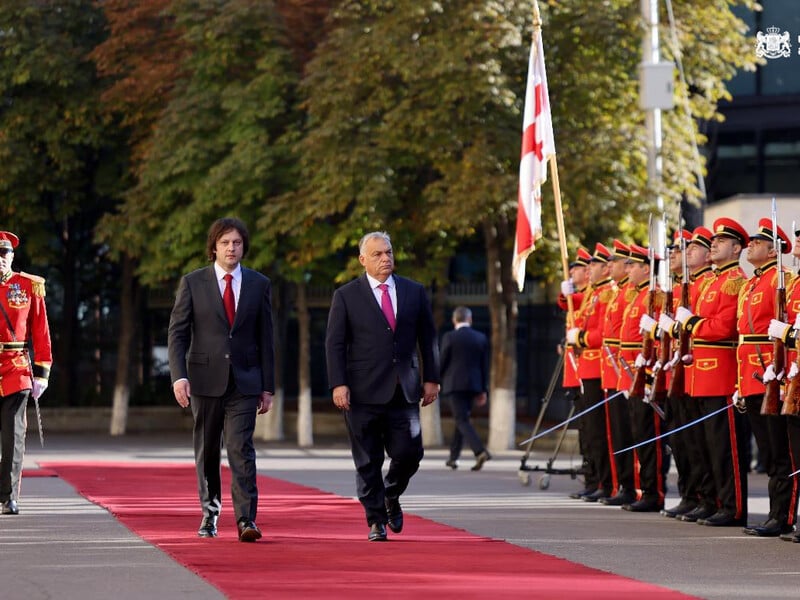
pixel 386 305
pixel 228 300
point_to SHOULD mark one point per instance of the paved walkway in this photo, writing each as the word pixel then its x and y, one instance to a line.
pixel 61 546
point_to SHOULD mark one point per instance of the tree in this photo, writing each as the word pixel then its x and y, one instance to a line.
pixel 56 165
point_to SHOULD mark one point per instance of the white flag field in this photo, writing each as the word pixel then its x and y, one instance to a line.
pixel 538 147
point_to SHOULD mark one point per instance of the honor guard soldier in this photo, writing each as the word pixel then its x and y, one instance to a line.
pixel 717 444
pixel 673 408
pixel 791 400
pixel 622 466
pixel 588 339
pixel 573 291
pixel 757 304
pixel 645 422
pixel 23 331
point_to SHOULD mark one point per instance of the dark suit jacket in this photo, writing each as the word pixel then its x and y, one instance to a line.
pixel 202 347
pixel 465 361
pixel 365 354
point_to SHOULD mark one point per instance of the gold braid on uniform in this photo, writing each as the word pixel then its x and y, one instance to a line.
pixel 630 294
pixel 37 283
pixel 734 285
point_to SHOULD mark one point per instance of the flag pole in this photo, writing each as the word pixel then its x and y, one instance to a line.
pixel 562 236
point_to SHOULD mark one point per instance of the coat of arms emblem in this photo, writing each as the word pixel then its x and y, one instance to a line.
pixel 773 44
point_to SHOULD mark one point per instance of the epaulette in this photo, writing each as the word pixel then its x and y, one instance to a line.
pixel 607 295
pixel 733 285
pixel 37 283
pixel 630 294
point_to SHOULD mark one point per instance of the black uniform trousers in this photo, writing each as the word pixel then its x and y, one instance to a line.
pixel 772 439
pixel 595 437
pixel 374 428
pixel 232 418
pixel 646 424
pixel 699 486
pixel 9 405
pixel 726 442
pixel 621 437
pixel 677 415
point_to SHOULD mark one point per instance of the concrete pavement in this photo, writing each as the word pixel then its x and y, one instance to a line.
pixel 62 546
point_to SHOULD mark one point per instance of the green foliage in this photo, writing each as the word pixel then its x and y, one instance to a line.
pixel 221 145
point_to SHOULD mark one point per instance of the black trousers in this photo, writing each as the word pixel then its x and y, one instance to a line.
pixel 772 439
pixel 621 437
pixel 393 428
pixel 595 436
pixel 9 405
pixel 698 483
pixel 646 424
pixel 230 418
pixel 461 404
pixel 676 416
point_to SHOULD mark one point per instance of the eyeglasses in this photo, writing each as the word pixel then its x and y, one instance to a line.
pixel 6 251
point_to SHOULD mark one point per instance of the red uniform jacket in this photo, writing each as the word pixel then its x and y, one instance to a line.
pixel 590 340
pixel 714 335
pixel 22 297
pixel 630 335
pixel 756 309
pixel 570 358
pixel 611 326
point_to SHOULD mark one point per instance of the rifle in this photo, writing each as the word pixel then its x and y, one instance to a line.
pixel 772 393
pixel 677 383
pixel 658 391
pixel 640 377
pixel 791 400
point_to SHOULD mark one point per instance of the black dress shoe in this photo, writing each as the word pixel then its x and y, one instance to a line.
pixel 683 507
pixel 248 531
pixel 377 532
pixel 772 528
pixel 480 459
pixel 619 499
pixel 208 527
pixel 580 494
pixel 721 518
pixel 596 495
pixel 395 514
pixel 643 505
pixel 10 507
pixel 452 464
pixel 791 536
pixel 701 512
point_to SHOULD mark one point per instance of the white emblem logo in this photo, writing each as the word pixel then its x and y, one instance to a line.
pixel 773 44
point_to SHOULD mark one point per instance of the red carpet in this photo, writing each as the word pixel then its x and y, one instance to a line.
pixel 315 545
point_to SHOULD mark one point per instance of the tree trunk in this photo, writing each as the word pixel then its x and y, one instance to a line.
pixel 305 418
pixel 431 415
pixel 503 312
pixel 269 427
pixel 127 320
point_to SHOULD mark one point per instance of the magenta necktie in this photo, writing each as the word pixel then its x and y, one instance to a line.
pixel 228 300
pixel 386 305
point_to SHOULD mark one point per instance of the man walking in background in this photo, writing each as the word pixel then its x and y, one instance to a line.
pixel 465 383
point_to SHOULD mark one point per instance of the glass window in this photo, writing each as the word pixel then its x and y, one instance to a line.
pixel 734 169
pixel 781 161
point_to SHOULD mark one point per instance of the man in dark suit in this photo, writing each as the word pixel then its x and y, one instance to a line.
pixel 374 327
pixel 221 356
pixel 465 382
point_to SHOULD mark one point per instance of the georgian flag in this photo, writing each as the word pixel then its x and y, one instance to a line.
pixel 538 147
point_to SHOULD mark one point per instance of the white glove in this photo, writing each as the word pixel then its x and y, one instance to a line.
pixel 647 325
pixel 39 386
pixel 567 287
pixel 657 366
pixel 683 314
pixel 640 361
pixel 769 374
pixel 797 321
pixel 666 323
pixel 792 371
pixel 572 335
pixel 738 402
pixel 778 329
